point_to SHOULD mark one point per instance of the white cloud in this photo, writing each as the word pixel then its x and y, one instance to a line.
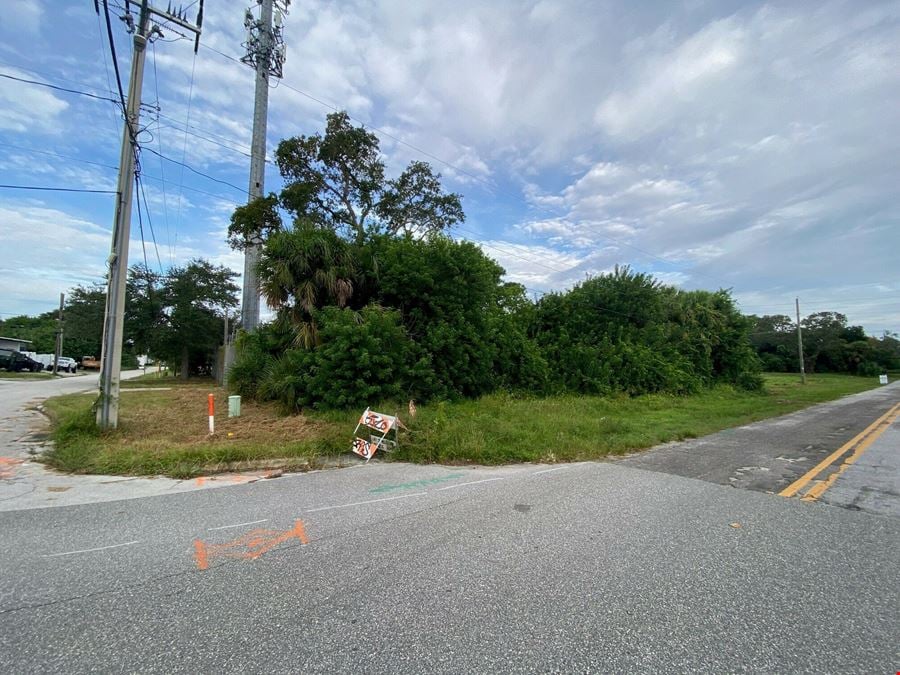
pixel 28 109
pixel 750 145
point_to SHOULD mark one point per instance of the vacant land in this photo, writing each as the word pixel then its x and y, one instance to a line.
pixel 163 427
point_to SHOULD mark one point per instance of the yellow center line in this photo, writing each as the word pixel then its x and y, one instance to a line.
pixel 869 434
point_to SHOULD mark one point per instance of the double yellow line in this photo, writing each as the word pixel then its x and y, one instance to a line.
pixel 858 444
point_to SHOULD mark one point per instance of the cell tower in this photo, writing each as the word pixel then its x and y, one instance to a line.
pixel 266 55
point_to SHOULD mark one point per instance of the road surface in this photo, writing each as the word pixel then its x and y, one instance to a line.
pixel 391 567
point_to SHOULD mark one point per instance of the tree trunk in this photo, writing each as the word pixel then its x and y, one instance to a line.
pixel 185 363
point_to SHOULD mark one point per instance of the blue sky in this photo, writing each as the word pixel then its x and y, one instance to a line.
pixel 746 145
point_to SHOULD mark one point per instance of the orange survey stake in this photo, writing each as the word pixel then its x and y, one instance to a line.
pixel 212 414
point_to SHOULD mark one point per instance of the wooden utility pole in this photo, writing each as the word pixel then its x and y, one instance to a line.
pixel 113 321
pixel 800 344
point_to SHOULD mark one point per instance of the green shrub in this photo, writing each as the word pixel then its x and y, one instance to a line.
pixel 250 364
pixel 364 357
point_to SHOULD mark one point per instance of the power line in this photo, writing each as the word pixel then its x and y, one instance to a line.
pixel 184 148
pixel 211 141
pixel 162 181
pixel 56 189
pixel 115 62
pixel 161 166
pixel 57 88
pixel 56 154
pixel 191 129
pixel 140 186
pixel 141 226
pixel 199 173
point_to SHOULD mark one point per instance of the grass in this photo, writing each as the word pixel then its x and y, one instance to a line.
pixel 165 378
pixel 8 375
pixel 165 432
pixel 501 429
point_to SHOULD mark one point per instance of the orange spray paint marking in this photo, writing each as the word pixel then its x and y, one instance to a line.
pixel 8 467
pixel 248 547
pixel 200 555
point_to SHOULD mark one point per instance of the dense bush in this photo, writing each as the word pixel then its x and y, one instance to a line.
pixel 430 318
pixel 362 356
pixel 626 332
pixel 451 299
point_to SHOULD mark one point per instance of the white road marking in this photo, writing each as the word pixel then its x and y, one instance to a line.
pixel 226 527
pixel 558 468
pixel 474 482
pixel 90 550
pixel 370 501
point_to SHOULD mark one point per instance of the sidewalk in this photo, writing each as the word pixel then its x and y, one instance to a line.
pixel 28 484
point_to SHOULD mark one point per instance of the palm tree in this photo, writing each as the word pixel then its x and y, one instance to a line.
pixel 304 269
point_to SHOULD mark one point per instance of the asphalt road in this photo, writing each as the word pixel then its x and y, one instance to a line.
pixel 392 567
pixel 770 455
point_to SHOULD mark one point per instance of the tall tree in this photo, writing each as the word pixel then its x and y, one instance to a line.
pixel 143 309
pixel 40 330
pixel 84 311
pixel 194 299
pixel 337 181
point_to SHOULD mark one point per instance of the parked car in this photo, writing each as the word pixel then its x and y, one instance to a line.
pixel 46 360
pixel 67 364
pixel 16 362
pixel 6 358
pixel 90 363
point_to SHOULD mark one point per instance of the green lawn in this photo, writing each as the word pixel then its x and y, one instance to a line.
pixel 6 375
pixel 501 429
pixel 164 432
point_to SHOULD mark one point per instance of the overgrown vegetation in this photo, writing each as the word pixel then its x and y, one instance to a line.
pixel 375 302
pixel 164 432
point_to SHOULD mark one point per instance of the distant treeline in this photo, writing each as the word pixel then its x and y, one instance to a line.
pixel 830 345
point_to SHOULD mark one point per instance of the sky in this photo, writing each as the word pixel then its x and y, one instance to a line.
pixel 753 146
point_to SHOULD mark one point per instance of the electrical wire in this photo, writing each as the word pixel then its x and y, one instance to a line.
pixel 143 194
pixel 58 88
pixel 184 148
pixel 115 62
pixel 196 171
pixel 56 154
pixel 161 165
pixel 141 224
pixel 56 189
pixel 144 175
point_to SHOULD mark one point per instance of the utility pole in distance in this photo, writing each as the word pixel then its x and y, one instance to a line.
pixel 800 344
pixel 113 321
pixel 265 54
pixel 59 334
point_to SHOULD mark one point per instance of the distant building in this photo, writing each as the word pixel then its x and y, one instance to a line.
pixel 13 343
